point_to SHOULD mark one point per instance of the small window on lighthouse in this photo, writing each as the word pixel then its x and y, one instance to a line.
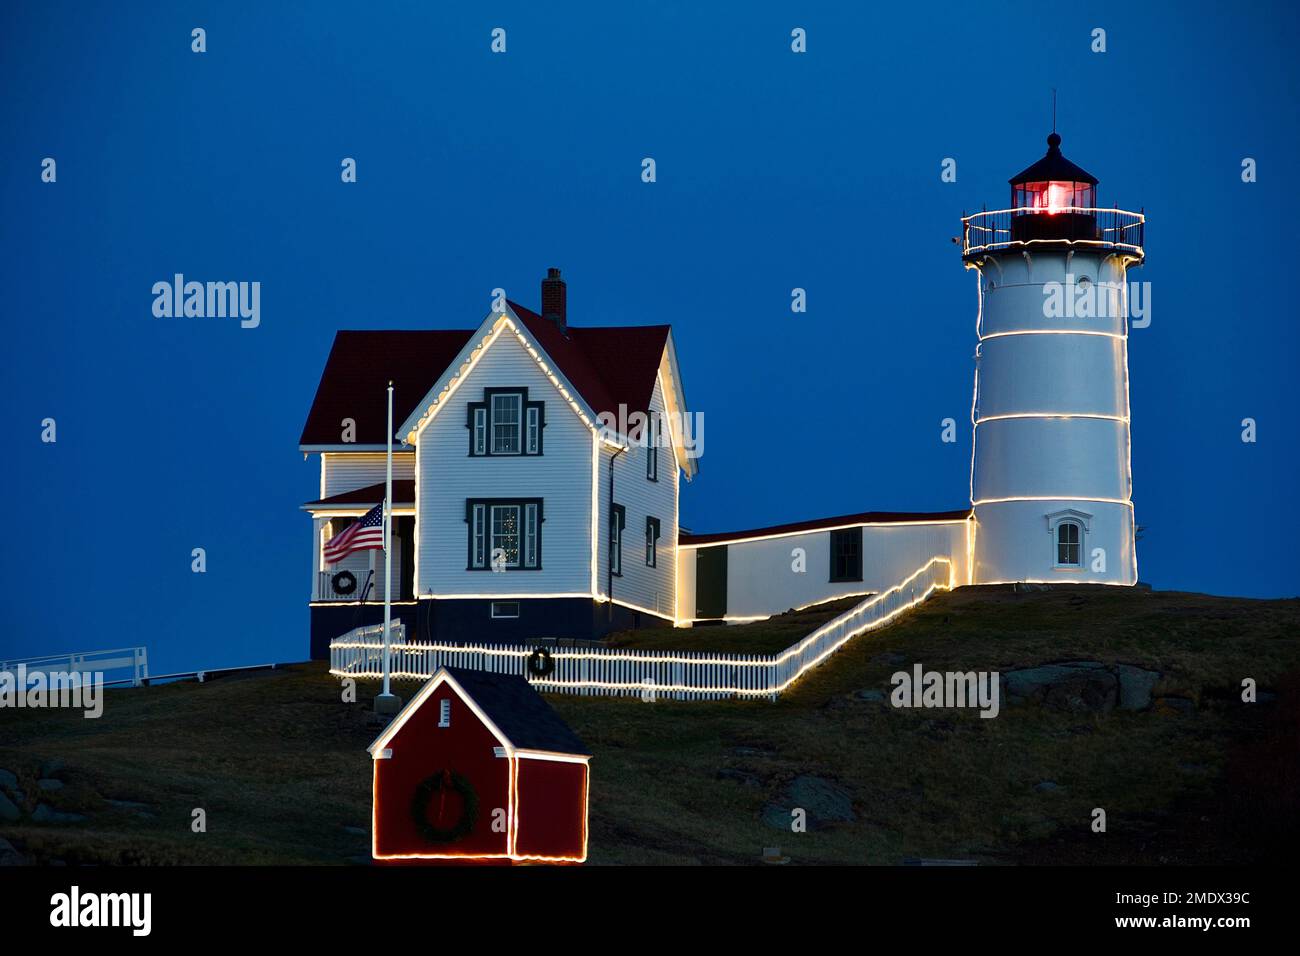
pixel 1067 544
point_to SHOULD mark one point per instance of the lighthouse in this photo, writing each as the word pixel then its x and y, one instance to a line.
pixel 1051 475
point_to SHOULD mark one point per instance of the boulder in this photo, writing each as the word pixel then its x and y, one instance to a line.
pixel 1072 686
pixel 45 814
pixel 8 780
pixel 738 776
pixel 1174 706
pixel 51 767
pixel 872 696
pixel 1048 786
pixel 823 801
pixel 9 856
pixel 9 812
pixel 1135 686
pixel 49 785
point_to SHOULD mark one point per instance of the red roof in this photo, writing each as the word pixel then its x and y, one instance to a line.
pixel 609 367
pixel 865 517
pixel 403 494
pixel 355 381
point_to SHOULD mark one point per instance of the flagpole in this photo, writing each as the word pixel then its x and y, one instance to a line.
pixel 387 702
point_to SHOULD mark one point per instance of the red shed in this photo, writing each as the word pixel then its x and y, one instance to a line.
pixel 478 767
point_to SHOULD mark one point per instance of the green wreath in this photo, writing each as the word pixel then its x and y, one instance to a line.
pixel 439 783
pixel 540 663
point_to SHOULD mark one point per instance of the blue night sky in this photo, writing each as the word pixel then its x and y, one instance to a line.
pixel 476 170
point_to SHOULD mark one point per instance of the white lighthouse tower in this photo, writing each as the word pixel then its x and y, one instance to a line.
pixel 1051 476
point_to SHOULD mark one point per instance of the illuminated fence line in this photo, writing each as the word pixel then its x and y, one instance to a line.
pixel 679 675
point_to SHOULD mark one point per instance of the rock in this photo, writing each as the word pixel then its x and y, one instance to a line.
pixel 355 831
pixel 48 785
pixel 44 814
pixel 872 696
pixel 889 659
pixel 126 804
pixel 1174 706
pixel 824 803
pixel 51 767
pixel 1048 786
pixel 738 776
pixel 751 752
pixel 1073 686
pixel 9 856
pixel 9 812
pixel 9 780
pixel 1135 685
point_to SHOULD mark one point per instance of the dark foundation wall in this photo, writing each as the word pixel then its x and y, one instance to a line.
pixel 470 622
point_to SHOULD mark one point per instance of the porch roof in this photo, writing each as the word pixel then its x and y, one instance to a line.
pixel 403 496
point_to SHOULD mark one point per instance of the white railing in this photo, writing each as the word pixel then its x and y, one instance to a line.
pixel 681 675
pixel 134 659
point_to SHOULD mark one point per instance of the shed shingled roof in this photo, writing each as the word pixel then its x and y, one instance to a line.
pixel 519 712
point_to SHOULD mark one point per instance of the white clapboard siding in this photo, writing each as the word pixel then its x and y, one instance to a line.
pixel 762 580
pixel 654 589
pixel 560 476
pixel 681 675
pixel 347 471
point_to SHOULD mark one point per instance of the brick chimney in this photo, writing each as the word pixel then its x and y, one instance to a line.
pixel 554 300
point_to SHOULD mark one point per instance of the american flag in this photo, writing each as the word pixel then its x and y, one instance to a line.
pixel 365 535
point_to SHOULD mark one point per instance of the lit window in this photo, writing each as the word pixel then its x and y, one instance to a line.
pixel 504 534
pixel 444 712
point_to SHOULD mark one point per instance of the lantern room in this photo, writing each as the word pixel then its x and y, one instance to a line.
pixel 1053 199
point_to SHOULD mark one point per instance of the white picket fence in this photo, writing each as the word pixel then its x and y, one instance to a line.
pixel 133 659
pixel 680 675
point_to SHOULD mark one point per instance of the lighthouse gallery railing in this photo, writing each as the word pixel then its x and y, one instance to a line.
pixel 1104 228
pixel 680 675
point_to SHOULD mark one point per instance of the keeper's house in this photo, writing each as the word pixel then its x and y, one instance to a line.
pixel 535 484
pixel 535 494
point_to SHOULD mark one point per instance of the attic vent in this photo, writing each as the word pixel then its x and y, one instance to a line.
pixel 444 712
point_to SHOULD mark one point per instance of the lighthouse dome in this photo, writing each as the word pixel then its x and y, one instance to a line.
pixel 1053 184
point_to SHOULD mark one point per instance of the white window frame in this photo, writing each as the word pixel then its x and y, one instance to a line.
pixel 652 541
pixel 515 399
pixel 652 449
pixel 1080 519
pixel 617 520
pixel 533 429
pixel 478 532
pixel 480 431
pixel 501 606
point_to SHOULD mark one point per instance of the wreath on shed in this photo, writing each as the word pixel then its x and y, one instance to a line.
pixel 540 663
pixel 344 582
pixel 437 786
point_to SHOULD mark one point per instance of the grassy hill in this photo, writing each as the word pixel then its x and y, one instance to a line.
pixel 279 763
